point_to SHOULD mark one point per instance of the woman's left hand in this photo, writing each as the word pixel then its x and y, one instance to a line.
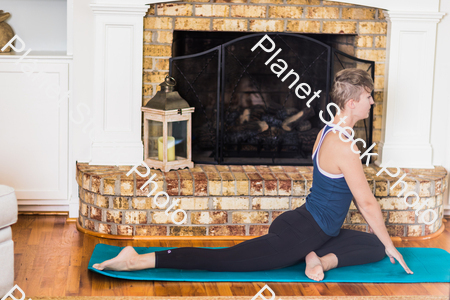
pixel 393 254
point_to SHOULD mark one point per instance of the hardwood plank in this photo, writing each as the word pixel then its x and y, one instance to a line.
pixel 211 289
pixel 372 289
pixel 34 237
pixel 136 288
pixel 224 289
pixel 284 288
pixel 351 289
pixel 62 271
pixel 304 289
pixel 86 276
pixel 167 288
pixel 329 289
pixel 73 281
pixel 258 286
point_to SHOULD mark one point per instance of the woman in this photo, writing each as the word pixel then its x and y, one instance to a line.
pixel 311 232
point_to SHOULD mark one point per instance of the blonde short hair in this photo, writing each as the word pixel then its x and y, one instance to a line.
pixel 349 84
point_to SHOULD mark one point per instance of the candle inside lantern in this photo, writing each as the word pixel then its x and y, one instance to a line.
pixel 170 148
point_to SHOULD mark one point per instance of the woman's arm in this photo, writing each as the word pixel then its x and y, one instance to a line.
pixel 354 175
pixel 350 165
pixel 374 217
pixel 370 228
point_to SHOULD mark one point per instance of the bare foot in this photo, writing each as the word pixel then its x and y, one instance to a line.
pixel 314 267
pixel 119 263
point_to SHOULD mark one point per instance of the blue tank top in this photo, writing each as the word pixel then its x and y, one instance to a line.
pixel 330 197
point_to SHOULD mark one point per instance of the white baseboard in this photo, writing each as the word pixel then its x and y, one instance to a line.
pixel 58 208
pixel 74 208
pixel 446 210
pixel 71 207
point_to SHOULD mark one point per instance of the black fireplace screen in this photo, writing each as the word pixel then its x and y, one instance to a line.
pixel 257 98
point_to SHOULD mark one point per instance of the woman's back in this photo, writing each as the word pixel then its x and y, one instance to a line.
pixel 330 196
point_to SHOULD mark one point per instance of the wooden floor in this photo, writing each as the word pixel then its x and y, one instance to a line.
pixel 51 259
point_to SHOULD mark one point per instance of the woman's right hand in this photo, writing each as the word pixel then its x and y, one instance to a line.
pixel 392 252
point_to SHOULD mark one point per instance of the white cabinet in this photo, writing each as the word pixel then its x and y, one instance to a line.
pixel 34 129
pixel 35 134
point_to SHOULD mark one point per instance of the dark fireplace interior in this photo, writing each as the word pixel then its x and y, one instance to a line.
pixel 251 106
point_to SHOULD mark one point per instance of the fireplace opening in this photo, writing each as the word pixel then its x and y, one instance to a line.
pixel 260 106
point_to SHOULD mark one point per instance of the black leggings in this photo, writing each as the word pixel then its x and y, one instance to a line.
pixel 292 235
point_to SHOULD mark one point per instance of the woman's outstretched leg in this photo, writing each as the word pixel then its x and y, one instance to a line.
pixel 256 253
pixel 291 237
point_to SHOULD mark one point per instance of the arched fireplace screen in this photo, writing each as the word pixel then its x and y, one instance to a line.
pixel 257 98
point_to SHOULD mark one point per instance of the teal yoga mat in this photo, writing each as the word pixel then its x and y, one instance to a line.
pixel 428 265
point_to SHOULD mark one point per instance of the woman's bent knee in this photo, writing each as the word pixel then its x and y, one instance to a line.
pixel 380 252
pixel 378 249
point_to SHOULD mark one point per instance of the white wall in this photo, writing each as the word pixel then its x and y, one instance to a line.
pixel 82 93
pixel 49 23
pixel 83 78
pixel 440 122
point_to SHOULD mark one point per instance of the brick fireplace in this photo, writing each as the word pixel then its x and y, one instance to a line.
pixel 365 27
pixel 239 201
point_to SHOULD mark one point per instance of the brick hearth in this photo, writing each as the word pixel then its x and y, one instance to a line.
pixel 222 200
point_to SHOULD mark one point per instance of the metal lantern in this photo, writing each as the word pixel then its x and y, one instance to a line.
pixel 167 129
